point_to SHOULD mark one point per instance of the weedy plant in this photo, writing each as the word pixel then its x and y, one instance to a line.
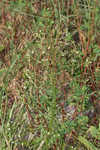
pixel 49 75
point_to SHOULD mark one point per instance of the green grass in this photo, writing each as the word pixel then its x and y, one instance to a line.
pixel 49 75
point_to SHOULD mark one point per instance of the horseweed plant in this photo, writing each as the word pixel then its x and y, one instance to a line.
pixel 49 75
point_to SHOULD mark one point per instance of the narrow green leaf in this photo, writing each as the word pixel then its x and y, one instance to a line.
pixel 1 48
pixel 2 72
pixel 94 132
pixel 86 143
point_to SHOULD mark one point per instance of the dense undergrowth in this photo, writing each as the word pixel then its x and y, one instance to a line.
pixel 49 75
